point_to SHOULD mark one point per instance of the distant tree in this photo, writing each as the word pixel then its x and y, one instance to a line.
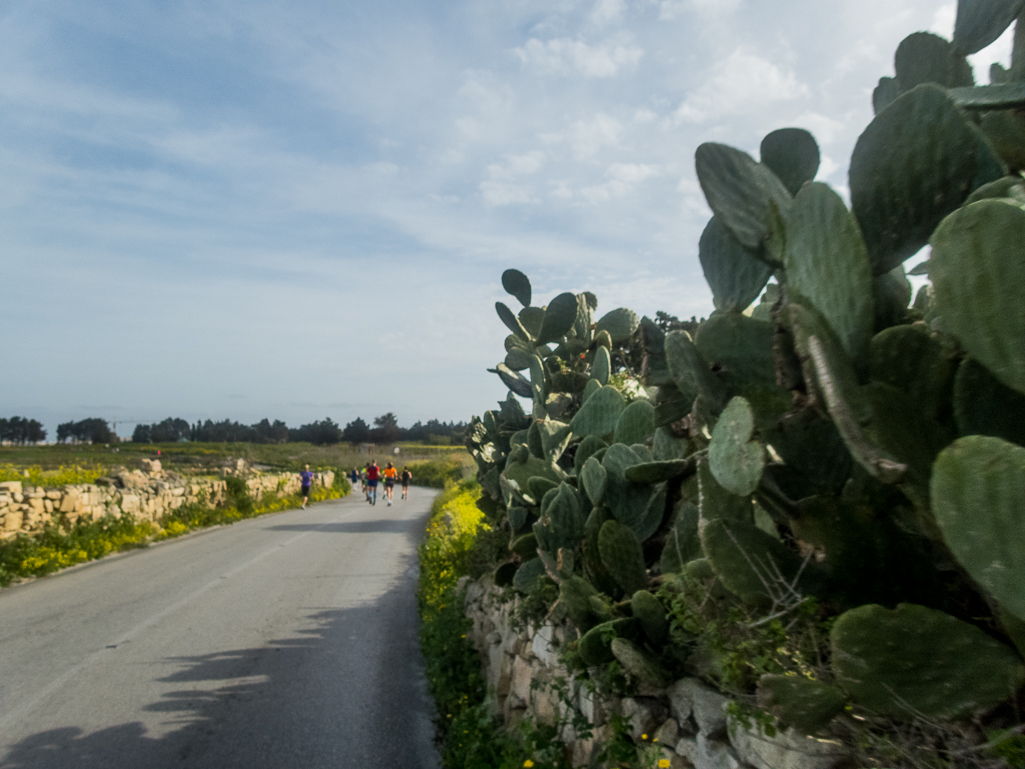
pixel 356 432
pixel 386 429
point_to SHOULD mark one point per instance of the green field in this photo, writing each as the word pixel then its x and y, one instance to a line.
pixel 210 457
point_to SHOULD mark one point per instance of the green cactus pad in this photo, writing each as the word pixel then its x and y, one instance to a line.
pixel 620 324
pixel 740 350
pixel 513 381
pixel 638 506
pixel 734 272
pixel 690 372
pixel 746 196
pixel 884 94
pixel 981 22
pixel 658 471
pixel 910 359
pixel 528 575
pixel 560 315
pixel 600 414
pixel 913 165
pixel 601 366
pixel 639 664
pixel 524 546
pixel 636 423
pixel 555 437
pixel 913 660
pixel 734 458
pixel 926 58
pixel 800 702
pixel 716 502
pixel 593 478
pixel 682 542
pixel 978 261
pixel 621 553
pixel 652 617
pixel 1006 133
pixel 976 493
pixel 596 644
pixel 517 284
pixel 827 262
pixel 983 406
pixel 575 594
pixel 793 155
pixel 747 560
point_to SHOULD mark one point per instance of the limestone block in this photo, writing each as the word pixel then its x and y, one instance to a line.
pixel 643 716
pixel 786 750
pixel 543 646
pixel 689 696
pixel 13 520
pixel 14 487
pixel 708 753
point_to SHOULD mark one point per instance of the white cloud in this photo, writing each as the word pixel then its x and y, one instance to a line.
pixel 623 178
pixel 563 56
pixel 741 83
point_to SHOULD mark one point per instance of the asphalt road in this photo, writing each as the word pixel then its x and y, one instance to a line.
pixel 283 641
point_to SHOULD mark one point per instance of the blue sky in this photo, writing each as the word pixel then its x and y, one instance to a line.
pixel 302 209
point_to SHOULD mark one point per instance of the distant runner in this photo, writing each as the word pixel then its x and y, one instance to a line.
pixel 406 478
pixel 390 474
pixel 373 475
pixel 306 478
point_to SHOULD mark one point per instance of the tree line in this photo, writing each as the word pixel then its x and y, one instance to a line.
pixel 21 430
pixel 385 429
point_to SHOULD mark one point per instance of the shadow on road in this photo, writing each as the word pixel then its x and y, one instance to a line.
pixel 348 692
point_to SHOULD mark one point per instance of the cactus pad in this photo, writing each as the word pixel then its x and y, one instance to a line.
pixel 636 423
pixel 734 272
pixel 926 58
pixel 983 406
pixel 976 493
pixel 742 193
pixel 734 458
pixel 560 315
pixel 593 478
pixel 913 165
pixel 517 284
pixel 682 543
pixel 621 553
pixel 748 561
pixel 977 264
pixel 793 155
pixel 600 414
pixel 620 324
pixel 826 262
pixel 800 702
pixel 638 664
pixel 914 660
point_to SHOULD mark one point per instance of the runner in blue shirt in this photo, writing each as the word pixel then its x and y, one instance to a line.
pixel 307 478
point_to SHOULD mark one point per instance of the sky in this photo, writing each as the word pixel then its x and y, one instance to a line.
pixel 296 210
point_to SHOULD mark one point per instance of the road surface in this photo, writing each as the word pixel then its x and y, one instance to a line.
pixel 283 641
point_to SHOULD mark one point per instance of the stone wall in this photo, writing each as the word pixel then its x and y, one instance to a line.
pixel 147 494
pixel 685 724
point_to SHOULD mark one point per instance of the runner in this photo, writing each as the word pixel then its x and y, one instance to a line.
pixel 389 482
pixel 406 478
pixel 373 474
pixel 305 478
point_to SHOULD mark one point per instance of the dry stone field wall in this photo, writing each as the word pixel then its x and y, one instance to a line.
pixel 685 723
pixel 147 494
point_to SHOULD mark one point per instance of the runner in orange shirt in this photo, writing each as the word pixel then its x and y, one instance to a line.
pixel 390 473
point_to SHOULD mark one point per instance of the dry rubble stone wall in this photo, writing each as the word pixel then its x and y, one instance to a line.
pixel 686 723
